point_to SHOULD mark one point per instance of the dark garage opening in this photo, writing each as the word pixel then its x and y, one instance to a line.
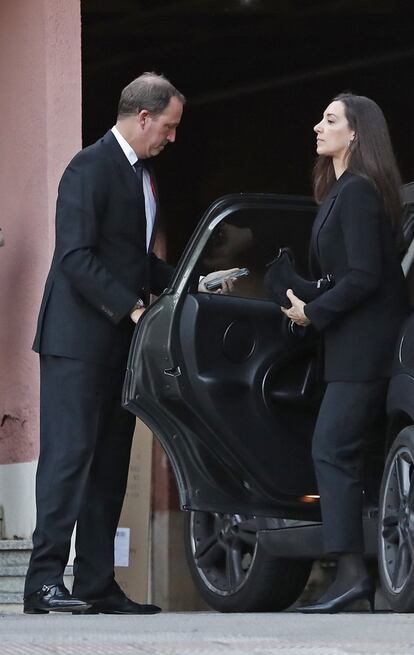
pixel 257 75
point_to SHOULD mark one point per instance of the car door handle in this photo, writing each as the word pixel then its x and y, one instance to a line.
pixel 173 372
pixel 296 394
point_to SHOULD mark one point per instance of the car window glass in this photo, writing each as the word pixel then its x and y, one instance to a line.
pixel 251 238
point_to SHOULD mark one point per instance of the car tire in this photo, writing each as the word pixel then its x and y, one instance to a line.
pixel 396 524
pixel 232 572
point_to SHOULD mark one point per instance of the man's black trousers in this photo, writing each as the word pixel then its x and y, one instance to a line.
pixel 348 417
pixel 85 445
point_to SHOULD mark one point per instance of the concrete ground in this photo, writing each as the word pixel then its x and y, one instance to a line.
pixel 206 633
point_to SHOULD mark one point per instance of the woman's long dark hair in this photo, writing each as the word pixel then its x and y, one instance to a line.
pixel 370 155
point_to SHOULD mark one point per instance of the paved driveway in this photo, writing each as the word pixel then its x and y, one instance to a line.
pixel 208 633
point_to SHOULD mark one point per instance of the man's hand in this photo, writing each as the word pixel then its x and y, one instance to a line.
pixel 226 286
pixel 137 313
pixel 296 313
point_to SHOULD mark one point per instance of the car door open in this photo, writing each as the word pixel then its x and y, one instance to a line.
pixel 231 392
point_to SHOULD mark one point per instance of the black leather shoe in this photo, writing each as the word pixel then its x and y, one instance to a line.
pixel 53 598
pixel 119 604
pixel 364 590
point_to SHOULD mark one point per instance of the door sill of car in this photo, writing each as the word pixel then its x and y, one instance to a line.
pixel 305 541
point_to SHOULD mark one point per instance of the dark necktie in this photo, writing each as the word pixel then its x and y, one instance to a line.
pixel 138 166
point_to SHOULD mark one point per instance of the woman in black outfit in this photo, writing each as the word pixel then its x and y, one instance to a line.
pixel 357 238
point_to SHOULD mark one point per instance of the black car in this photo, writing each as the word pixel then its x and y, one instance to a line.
pixel 232 393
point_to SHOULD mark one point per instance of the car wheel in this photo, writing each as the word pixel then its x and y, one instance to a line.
pixel 396 524
pixel 232 572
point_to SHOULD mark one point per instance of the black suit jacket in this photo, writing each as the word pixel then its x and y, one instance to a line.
pixel 361 315
pixel 100 266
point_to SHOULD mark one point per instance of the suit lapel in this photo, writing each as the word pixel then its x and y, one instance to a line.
pixel 122 164
pixel 128 179
pixel 128 175
pixel 154 188
pixel 323 213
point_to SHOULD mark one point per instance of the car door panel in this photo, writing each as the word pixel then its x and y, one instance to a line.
pixel 242 390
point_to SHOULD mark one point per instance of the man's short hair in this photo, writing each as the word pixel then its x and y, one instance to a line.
pixel 149 91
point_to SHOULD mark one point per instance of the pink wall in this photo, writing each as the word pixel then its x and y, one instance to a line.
pixel 40 114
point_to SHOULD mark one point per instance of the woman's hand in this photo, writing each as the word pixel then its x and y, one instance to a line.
pixel 296 313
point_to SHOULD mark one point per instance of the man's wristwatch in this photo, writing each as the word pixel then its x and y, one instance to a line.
pixel 138 305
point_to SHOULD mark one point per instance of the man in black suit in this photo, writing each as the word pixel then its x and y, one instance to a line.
pixel 102 273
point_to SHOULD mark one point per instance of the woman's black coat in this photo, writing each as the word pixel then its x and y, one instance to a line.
pixel 361 315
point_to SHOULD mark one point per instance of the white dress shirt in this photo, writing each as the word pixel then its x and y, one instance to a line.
pixel 150 203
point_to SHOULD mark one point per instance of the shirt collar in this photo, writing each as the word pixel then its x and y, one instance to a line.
pixel 129 153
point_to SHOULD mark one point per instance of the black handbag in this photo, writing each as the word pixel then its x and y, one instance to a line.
pixel 281 276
